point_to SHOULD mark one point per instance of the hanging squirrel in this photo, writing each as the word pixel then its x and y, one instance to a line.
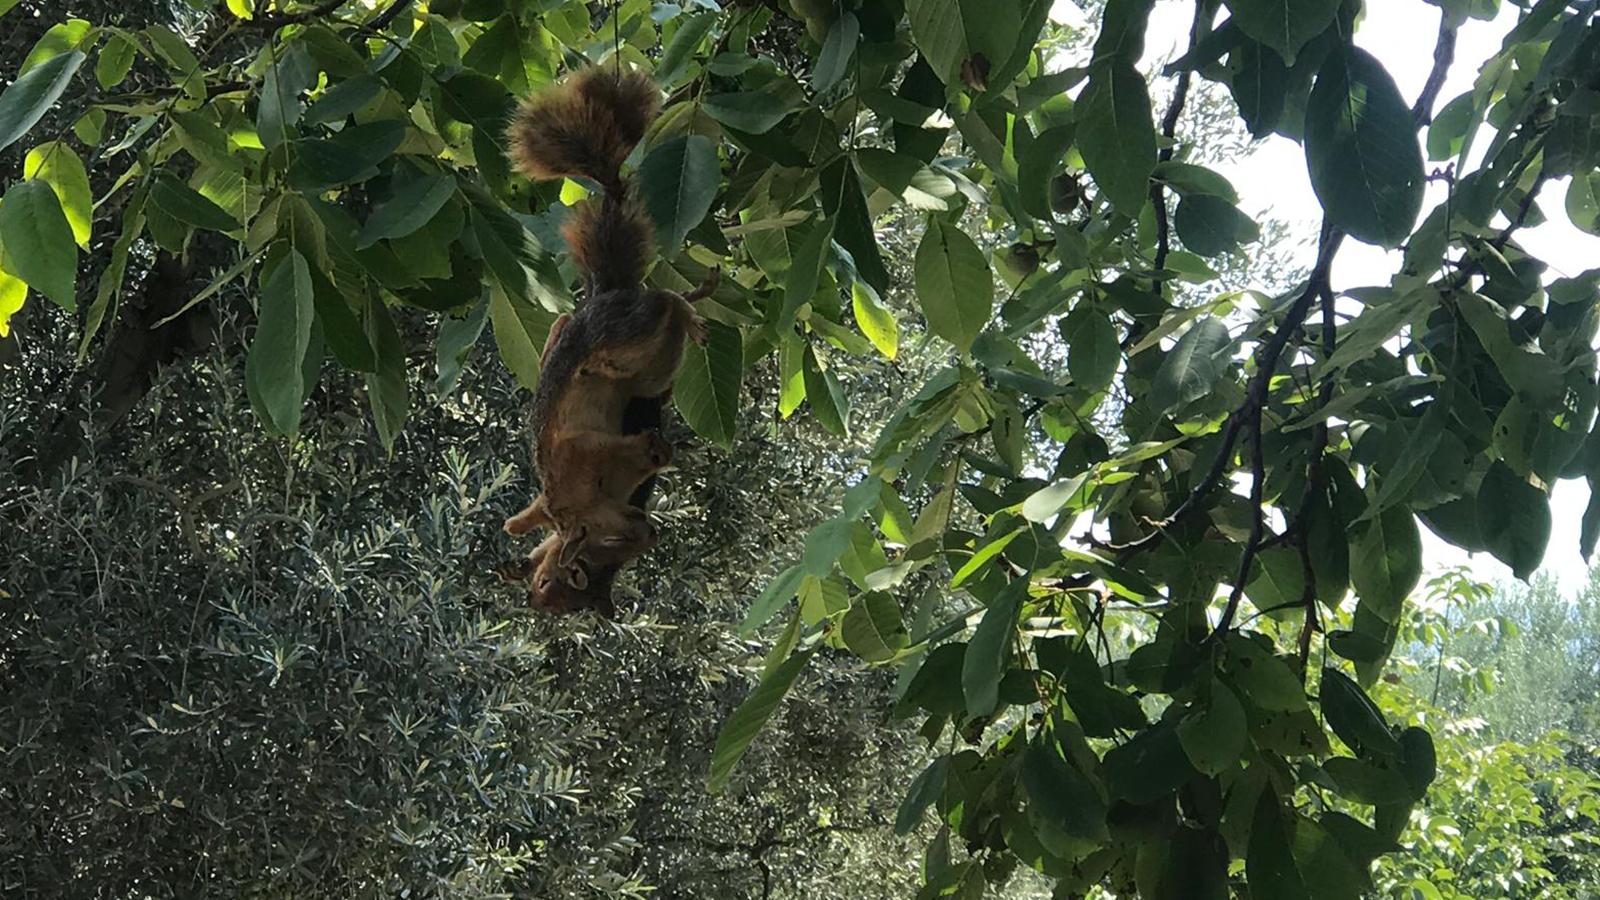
pixel 625 340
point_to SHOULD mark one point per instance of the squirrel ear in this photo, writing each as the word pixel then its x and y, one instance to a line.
pixel 572 548
pixel 577 578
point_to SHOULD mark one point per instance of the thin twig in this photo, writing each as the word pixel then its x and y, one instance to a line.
pixel 1444 53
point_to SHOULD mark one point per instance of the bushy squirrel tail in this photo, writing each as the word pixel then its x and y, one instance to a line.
pixel 585 127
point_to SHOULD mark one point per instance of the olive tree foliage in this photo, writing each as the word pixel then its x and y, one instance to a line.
pixel 1102 574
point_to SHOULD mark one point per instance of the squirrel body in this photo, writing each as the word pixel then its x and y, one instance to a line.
pixel 624 342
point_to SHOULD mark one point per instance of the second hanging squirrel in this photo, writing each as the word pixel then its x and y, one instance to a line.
pixel 624 341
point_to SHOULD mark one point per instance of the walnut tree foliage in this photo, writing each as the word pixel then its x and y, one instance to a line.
pixel 1108 535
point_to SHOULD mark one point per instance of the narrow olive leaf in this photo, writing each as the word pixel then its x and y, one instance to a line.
pixel 707 390
pixel 1215 734
pixel 1513 520
pixel 273 370
pixel 924 790
pixel 1284 25
pixel 56 165
pixel 1093 349
pixel 751 716
pixel 875 320
pixel 387 395
pixel 990 650
pixel 1362 149
pixel 837 51
pixel 1061 798
pixel 1211 226
pixel 953 284
pixel 189 206
pixel 675 58
pixel 1192 368
pixel 39 248
pixel 417 201
pixel 829 403
pixel 678 183
pixel 1354 717
pixel 778 592
pixel 28 98
pixel 1116 134
pixel 1386 562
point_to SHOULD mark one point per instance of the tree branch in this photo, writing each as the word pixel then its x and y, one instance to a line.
pixel 1444 54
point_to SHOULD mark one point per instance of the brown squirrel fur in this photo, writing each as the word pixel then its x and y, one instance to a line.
pixel 625 341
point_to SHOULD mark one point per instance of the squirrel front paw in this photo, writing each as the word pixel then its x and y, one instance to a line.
pixel 697 330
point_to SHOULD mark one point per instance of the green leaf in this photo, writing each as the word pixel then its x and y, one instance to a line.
pixel 778 592
pixel 675 58
pixel 951 33
pixel 115 60
pixel 751 716
pixel 837 51
pixel 1366 782
pixel 873 628
pixel 1191 369
pixel 1279 579
pixel 519 332
pixel 1583 201
pixel 1419 763
pixel 1061 799
pixel 1386 561
pixel 110 283
pixel 13 294
pixel 1037 163
pixel 28 98
pixel 1190 180
pixel 1093 348
pixel 454 345
pixel 678 181
pixel 875 320
pixel 1116 135
pixel 924 790
pixel 1149 767
pixel 1043 504
pixel 387 394
pixel 1263 677
pixel 417 201
pixel 281 105
pixel 846 206
pixel 188 206
pixel 753 112
pixel 809 240
pixel 341 330
pixel 791 374
pixel 273 372
pixel 829 403
pixel 1361 147
pixel 56 165
pixel 1513 520
pixel 1260 88
pixel 60 38
pixel 707 390
pixel 990 650
pixel 1354 717
pixel 1269 861
pixel 1284 25
pixel 38 242
pixel 1211 226
pixel 953 283
pixel 1215 735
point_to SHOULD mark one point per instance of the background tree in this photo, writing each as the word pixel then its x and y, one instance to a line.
pixel 1102 539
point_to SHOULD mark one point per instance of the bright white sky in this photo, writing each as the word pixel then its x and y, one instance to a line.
pixel 1273 178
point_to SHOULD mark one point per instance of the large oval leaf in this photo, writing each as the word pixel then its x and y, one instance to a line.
pixel 56 165
pixel 707 391
pixel 1361 147
pixel 1386 562
pixel 990 649
pixel 954 284
pixel 1284 25
pixel 38 242
pixel 1116 134
pixel 1192 367
pixel 25 102
pixel 283 332
pixel 751 716
pixel 678 182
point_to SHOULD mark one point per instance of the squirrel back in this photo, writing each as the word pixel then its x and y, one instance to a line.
pixel 585 127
